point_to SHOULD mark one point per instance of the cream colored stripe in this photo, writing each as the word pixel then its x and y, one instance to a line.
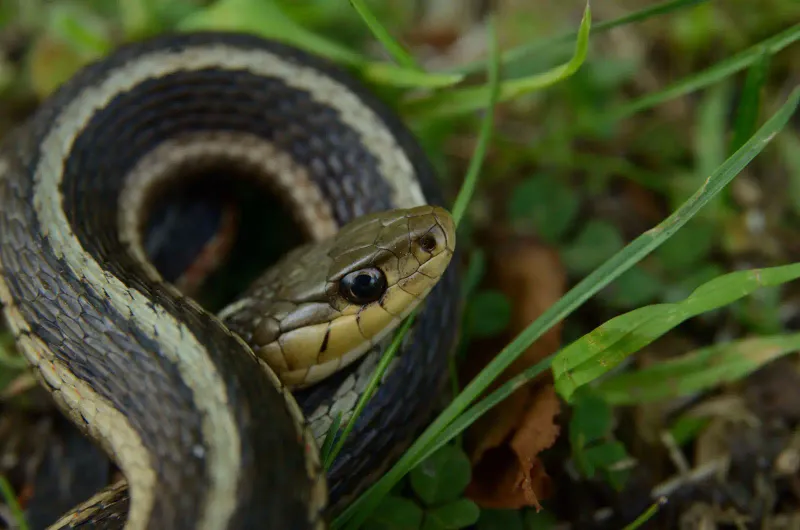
pixel 177 343
pixel 395 166
pixel 273 166
pixel 86 407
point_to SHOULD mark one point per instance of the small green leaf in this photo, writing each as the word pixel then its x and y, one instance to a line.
pixel 598 241
pixel 606 454
pixel 442 477
pixel 500 520
pixel 606 458
pixel 591 419
pixel 451 516
pixel 395 513
pixel 545 203
pixel 488 313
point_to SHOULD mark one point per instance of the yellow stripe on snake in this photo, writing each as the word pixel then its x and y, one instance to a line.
pixel 215 420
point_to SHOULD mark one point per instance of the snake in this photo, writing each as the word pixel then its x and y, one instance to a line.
pixel 215 418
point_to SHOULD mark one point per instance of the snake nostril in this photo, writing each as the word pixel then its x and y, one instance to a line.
pixel 427 243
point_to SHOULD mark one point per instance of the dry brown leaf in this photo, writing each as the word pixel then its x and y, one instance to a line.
pixel 503 445
pixel 510 476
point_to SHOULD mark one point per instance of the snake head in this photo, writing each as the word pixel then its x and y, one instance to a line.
pixel 340 297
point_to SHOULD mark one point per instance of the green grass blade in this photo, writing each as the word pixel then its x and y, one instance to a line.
pixel 389 74
pixel 383 365
pixel 355 514
pixel 13 505
pixel 395 49
pixel 697 371
pixel 750 102
pixel 469 99
pixel 473 171
pixel 608 345
pixel 647 515
pixel 711 75
pixel 531 48
pixel 327 445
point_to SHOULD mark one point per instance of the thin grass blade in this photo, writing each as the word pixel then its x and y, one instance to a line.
pixel 647 515
pixel 17 514
pixel 383 365
pixel 394 48
pixel 327 445
pixel 391 75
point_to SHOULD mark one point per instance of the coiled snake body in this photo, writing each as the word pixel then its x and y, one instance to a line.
pixel 206 436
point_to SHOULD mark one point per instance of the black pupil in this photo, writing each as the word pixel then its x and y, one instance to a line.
pixel 364 282
pixel 364 286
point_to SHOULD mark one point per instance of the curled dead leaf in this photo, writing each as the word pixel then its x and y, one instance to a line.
pixel 504 445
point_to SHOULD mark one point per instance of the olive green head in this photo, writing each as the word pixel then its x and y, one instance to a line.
pixel 330 302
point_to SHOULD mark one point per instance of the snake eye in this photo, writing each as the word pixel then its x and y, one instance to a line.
pixel 363 286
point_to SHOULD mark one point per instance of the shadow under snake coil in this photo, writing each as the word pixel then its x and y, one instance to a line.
pixel 206 436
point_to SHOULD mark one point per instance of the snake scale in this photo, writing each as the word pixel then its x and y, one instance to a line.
pixel 205 434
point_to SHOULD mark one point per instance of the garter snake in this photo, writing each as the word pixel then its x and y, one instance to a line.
pixel 207 436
